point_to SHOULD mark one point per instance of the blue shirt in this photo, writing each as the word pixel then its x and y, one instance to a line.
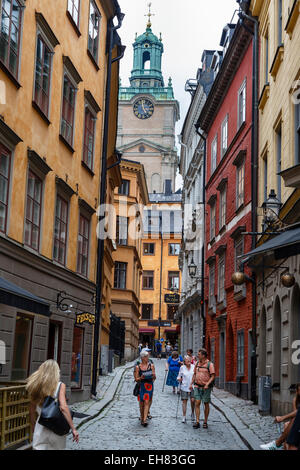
pixel 174 364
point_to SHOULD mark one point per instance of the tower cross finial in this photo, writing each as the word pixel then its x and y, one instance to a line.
pixel 149 14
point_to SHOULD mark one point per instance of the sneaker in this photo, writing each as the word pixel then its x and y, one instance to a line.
pixel 183 419
pixel 271 446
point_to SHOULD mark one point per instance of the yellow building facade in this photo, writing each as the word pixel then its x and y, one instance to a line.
pixel 129 201
pixel 53 79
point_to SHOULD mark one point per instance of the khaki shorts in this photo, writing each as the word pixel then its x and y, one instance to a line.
pixel 186 395
pixel 202 394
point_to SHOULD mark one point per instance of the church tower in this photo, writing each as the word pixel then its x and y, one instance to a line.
pixel 148 113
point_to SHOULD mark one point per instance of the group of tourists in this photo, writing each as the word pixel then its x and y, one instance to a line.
pixel 192 378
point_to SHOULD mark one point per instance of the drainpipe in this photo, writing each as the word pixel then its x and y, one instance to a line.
pixel 100 248
pixel 204 137
pixel 254 178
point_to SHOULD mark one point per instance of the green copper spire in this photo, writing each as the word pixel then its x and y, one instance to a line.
pixel 146 75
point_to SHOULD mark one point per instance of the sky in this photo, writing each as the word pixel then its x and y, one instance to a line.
pixel 188 27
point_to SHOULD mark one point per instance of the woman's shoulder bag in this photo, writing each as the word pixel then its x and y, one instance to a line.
pixel 51 416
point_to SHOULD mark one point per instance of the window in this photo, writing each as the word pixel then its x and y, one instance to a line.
pixel 42 76
pixel 240 352
pixel 89 137
pixel 68 110
pixel 149 248
pixel 77 359
pixel 83 245
pixel 171 312
pixel 174 249
pixel 11 15
pixel 173 280
pixel 211 300
pixel 122 230
pixel 221 280
pixel 297 133
pixel 22 347
pixel 278 154
pixel 242 104
pixel 148 279
pixel 94 28
pixel 60 231
pixel 224 136
pixel 240 178
pixel 214 148
pixel 73 9
pixel 266 68
pixel 33 211
pixel 147 311
pixel 5 157
pixel 238 251
pixel 223 194
pixel 279 15
pixel 265 162
pixel 120 275
pixel 213 221
pixel 124 188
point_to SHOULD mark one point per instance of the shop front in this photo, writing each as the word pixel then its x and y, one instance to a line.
pixel 146 336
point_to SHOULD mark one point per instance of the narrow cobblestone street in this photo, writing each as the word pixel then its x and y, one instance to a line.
pixel 118 426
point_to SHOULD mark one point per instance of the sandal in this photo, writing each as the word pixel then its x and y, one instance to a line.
pixel 149 416
pixel 144 424
pixel 205 425
pixel 196 425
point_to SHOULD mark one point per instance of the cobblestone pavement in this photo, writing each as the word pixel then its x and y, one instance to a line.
pixel 118 426
pixel 263 426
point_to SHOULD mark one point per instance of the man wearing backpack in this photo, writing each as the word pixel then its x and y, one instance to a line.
pixel 203 381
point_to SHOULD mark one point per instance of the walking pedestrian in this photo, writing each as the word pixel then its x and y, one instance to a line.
pixel 145 375
pixel 158 349
pixel 293 439
pixel 281 442
pixel 192 357
pixel 185 376
pixel 42 383
pixel 173 365
pixel 203 378
pixel 169 349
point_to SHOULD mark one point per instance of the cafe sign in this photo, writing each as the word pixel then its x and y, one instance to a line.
pixel 85 317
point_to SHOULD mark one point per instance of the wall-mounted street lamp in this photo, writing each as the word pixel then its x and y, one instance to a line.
pixel 192 269
pixel 271 208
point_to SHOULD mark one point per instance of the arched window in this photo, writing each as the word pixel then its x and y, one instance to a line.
pixel 295 333
pixel 146 60
pixel 155 183
pixel 262 342
pixel 277 349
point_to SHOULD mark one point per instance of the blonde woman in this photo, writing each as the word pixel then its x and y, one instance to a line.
pixel 42 383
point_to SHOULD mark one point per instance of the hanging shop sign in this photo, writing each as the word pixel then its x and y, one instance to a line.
pixel 172 298
pixel 85 317
pixel 156 323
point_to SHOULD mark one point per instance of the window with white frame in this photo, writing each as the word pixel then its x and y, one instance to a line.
pixel 214 149
pixel 211 299
pixel 221 279
pixel 242 104
pixel 240 352
pixel 224 136
pixel 10 33
pixel 94 30
pixel 73 9
pixel 213 221
pixel 240 185
pixel 238 251
pixel 223 193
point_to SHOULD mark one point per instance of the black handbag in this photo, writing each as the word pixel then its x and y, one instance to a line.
pixel 51 416
pixel 136 389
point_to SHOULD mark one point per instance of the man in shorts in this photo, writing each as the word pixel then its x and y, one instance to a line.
pixel 203 379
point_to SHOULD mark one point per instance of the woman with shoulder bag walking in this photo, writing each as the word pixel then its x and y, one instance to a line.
pixel 144 374
pixel 44 383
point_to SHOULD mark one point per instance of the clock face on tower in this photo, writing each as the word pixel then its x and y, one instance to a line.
pixel 143 108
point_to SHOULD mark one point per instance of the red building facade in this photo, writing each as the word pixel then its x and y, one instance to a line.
pixel 227 120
